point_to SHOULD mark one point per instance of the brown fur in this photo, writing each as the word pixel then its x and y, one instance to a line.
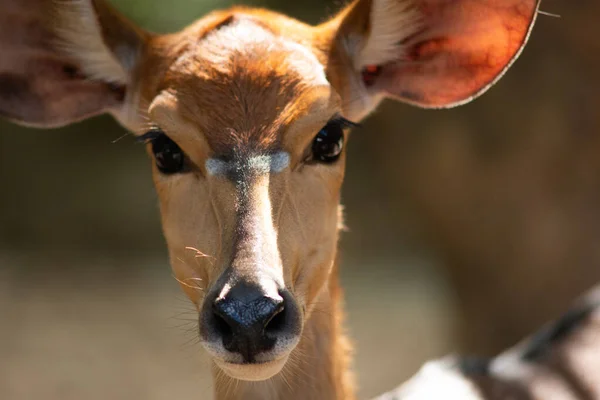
pixel 258 92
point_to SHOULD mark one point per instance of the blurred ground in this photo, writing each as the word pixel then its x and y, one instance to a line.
pixel 117 331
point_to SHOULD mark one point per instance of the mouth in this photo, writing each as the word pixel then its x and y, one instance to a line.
pixel 257 371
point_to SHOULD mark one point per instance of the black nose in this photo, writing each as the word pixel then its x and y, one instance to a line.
pixel 249 321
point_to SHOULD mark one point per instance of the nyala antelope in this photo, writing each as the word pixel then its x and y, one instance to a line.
pixel 560 362
pixel 245 115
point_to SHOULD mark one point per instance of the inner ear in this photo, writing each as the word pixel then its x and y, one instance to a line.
pixel 64 61
pixel 462 48
pixel 435 53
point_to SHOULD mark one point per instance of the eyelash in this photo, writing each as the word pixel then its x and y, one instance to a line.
pixel 149 136
pixel 345 123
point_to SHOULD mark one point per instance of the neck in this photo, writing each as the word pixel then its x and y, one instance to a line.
pixel 317 369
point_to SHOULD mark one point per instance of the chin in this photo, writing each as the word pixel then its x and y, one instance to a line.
pixel 253 372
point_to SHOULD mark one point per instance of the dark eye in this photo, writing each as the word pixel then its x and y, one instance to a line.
pixel 329 142
pixel 169 157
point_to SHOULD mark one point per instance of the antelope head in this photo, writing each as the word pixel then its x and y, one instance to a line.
pixel 245 114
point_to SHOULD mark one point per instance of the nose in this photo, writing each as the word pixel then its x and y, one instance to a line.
pixel 250 321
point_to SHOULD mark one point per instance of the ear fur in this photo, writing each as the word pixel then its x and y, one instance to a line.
pixel 79 35
pixel 65 60
pixel 390 23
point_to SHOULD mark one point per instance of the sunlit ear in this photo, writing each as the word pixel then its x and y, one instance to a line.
pixel 64 60
pixel 432 53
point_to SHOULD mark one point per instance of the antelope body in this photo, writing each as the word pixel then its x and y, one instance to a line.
pixel 560 362
pixel 245 115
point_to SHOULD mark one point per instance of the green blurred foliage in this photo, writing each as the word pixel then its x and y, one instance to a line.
pixel 159 17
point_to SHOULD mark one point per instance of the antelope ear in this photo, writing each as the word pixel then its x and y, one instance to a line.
pixel 64 60
pixel 433 53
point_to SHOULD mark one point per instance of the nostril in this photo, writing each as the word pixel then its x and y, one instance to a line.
pixel 222 328
pixel 277 322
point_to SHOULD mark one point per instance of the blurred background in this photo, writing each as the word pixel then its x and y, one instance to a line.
pixel 468 228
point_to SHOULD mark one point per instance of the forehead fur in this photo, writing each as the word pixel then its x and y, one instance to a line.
pixel 242 83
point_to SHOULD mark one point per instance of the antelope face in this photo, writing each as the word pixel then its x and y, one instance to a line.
pixel 247 139
pixel 248 152
pixel 244 113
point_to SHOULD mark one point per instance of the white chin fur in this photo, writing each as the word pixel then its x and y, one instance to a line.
pixel 252 372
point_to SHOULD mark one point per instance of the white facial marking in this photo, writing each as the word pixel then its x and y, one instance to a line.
pixel 280 161
pixel 215 166
pixel 306 64
pixel 262 164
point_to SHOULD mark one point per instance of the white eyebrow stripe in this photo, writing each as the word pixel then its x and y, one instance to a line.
pixel 214 166
pixel 280 161
pixel 266 163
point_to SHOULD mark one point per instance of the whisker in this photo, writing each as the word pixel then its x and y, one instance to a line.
pixel 198 252
pixel 186 284
pixel 178 315
pixel 186 327
pixel 549 14
pixel 120 137
pixel 194 341
pixel 194 279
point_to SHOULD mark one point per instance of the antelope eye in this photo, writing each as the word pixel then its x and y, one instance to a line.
pixel 169 158
pixel 329 142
